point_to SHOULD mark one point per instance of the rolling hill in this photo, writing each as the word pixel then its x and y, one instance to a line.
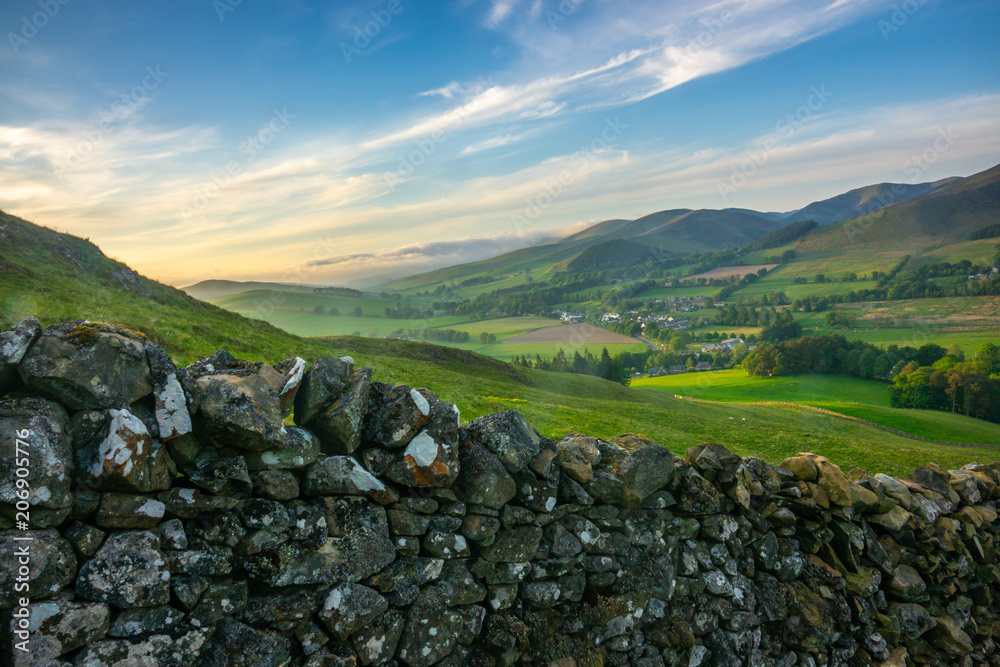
pixel 682 231
pixel 947 215
pixel 57 277
pixel 214 289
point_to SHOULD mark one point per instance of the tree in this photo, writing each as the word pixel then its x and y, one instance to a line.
pixel 358 312
pixel 333 311
pixel 318 310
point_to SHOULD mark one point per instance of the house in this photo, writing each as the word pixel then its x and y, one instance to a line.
pixel 703 366
pixel 709 348
pixel 674 370
pixel 730 343
pixel 657 371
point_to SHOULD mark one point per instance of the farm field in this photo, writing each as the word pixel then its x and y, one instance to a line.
pixel 726 271
pixel 967 322
pixel 736 385
pixel 571 334
pixel 869 400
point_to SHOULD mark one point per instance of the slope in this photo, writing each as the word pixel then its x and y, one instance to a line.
pixel 57 277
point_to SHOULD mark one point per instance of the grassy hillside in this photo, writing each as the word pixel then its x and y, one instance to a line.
pixel 57 277
pixel 864 200
pixel 666 233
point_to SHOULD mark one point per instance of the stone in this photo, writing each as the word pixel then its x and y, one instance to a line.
pixel 236 644
pixel 376 643
pixel 350 607
pixel 484 480
pixel 322 384
pixel 339 426
pixel 34 436
pixel 437 544
pixel 225 598
pixel 120 454
pixel 906 584
pixel 86 540
pixel 514 545
pixel 293 371
pixel 578 455
pixel 275 484
pixel 646 471
pixel 57 627
pixel 189 503
pixel 913 619
pixel 344 475
pixel 236 403
pixel 396 414
pixel 180 649
pixel 170 402
pixel 129 570
pixel 947 636
pixel 14 344
pixel 172 535
pixel 88 366
pixel 51 564
pixel 129 511
pixel 223 477
pixel 893 520
pixel 148 621
pixel 300 449
pixel 402 579
pixel 802 467
pixel 431 457
pixel 509 436
pixel 431 633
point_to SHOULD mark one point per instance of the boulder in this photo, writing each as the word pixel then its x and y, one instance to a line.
pixel 293 371
pixel 509 436
pixel 115 452
pixel 129 511
pixel 34 436
pixel 128 571
pixel 170 401
pixel 236 644
pixel 578 455
pixel 395 415
pixel 236 403
pixel 350 607
pixel 321 385
pixel 300 449
pixel 344 475
pixel 180 649
pixel 340 424
pixel 51 564
pixel 59 626
pixel 484 479
pixel 646 471
pixel 88 366
pixel 14 344
pixel 431 458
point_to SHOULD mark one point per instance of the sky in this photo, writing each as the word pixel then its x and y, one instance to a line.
pixel 346 142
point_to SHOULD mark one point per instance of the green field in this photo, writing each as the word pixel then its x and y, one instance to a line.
pixel 736 385
pixel 58 278
pixel 868 400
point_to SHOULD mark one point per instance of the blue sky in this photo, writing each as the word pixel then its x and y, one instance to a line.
pixel 332 142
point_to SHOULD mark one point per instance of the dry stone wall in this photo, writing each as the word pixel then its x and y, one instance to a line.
pixel 240 513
